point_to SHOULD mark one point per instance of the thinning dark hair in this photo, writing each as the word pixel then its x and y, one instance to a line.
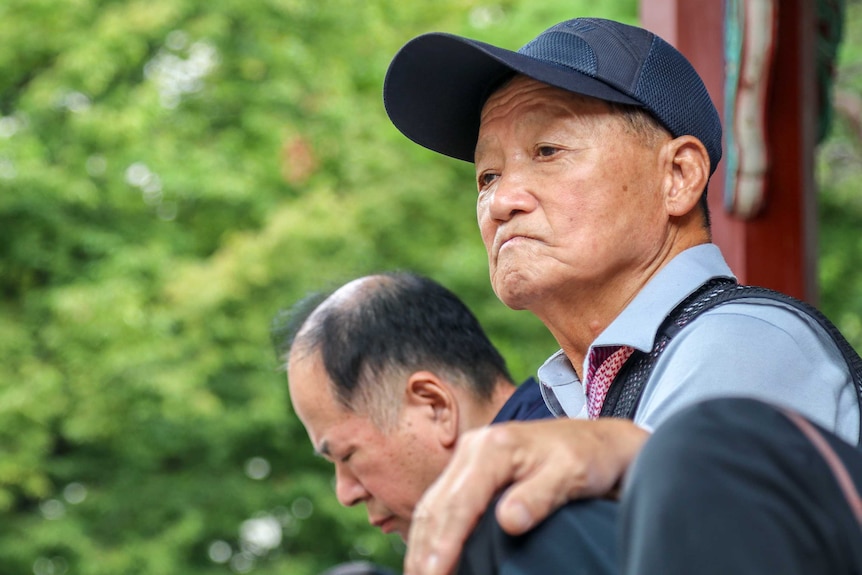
pixel 395 323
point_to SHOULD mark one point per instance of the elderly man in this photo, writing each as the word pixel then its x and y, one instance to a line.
pixel 593 145
pixel 386 374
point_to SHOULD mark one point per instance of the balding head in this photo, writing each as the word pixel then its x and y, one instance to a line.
pixel 376 328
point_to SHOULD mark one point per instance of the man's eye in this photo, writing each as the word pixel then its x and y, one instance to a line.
pixel 487 178
pixel 546 151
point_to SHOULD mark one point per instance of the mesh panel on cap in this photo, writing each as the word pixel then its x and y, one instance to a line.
pixel 563 49
pixel 621 51
pixel 670 86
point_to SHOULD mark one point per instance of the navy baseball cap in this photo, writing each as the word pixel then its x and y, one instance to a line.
pixel 437 83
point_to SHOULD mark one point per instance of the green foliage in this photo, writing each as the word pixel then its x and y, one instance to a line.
pixel 839 174
pixel 172 172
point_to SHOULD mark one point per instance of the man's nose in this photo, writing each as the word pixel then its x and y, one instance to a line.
pixel 348 489
pixel 510 196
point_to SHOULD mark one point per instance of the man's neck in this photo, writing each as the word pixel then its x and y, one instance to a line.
pixel 481 413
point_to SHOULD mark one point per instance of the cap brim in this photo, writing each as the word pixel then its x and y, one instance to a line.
pixel 437 84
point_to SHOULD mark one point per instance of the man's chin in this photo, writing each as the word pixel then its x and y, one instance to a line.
pixel 513 297
pixel 394 525
pixel 513 288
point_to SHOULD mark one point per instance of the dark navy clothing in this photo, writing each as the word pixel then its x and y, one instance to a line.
pixel 525 404
pixel 580 538
pixel 733 486
pixel 577 539
pixel 726 486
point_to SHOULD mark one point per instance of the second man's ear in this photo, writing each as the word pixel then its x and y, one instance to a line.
pixel 435 399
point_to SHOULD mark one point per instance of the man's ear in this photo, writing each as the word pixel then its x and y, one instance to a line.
pixel 436 400
pixel 687 175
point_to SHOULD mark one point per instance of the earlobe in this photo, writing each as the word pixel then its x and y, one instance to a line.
pixel 688 174
pixel 436 401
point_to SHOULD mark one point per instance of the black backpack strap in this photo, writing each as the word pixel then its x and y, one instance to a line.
pixel 626 391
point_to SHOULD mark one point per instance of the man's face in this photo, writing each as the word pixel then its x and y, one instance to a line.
pixel 386 470
pixel 569 195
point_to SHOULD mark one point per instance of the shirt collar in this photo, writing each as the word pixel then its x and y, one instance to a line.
pixel 561 388
pixel 636 325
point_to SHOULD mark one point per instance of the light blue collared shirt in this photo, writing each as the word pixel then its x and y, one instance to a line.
pixel 762 349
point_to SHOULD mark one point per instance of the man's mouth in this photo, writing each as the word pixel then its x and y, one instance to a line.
pixel 385 524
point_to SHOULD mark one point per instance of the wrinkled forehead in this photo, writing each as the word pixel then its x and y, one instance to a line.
pixel 530 96
pixel 529 107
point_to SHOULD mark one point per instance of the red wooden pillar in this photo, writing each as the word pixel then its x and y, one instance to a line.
pixel 778 247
